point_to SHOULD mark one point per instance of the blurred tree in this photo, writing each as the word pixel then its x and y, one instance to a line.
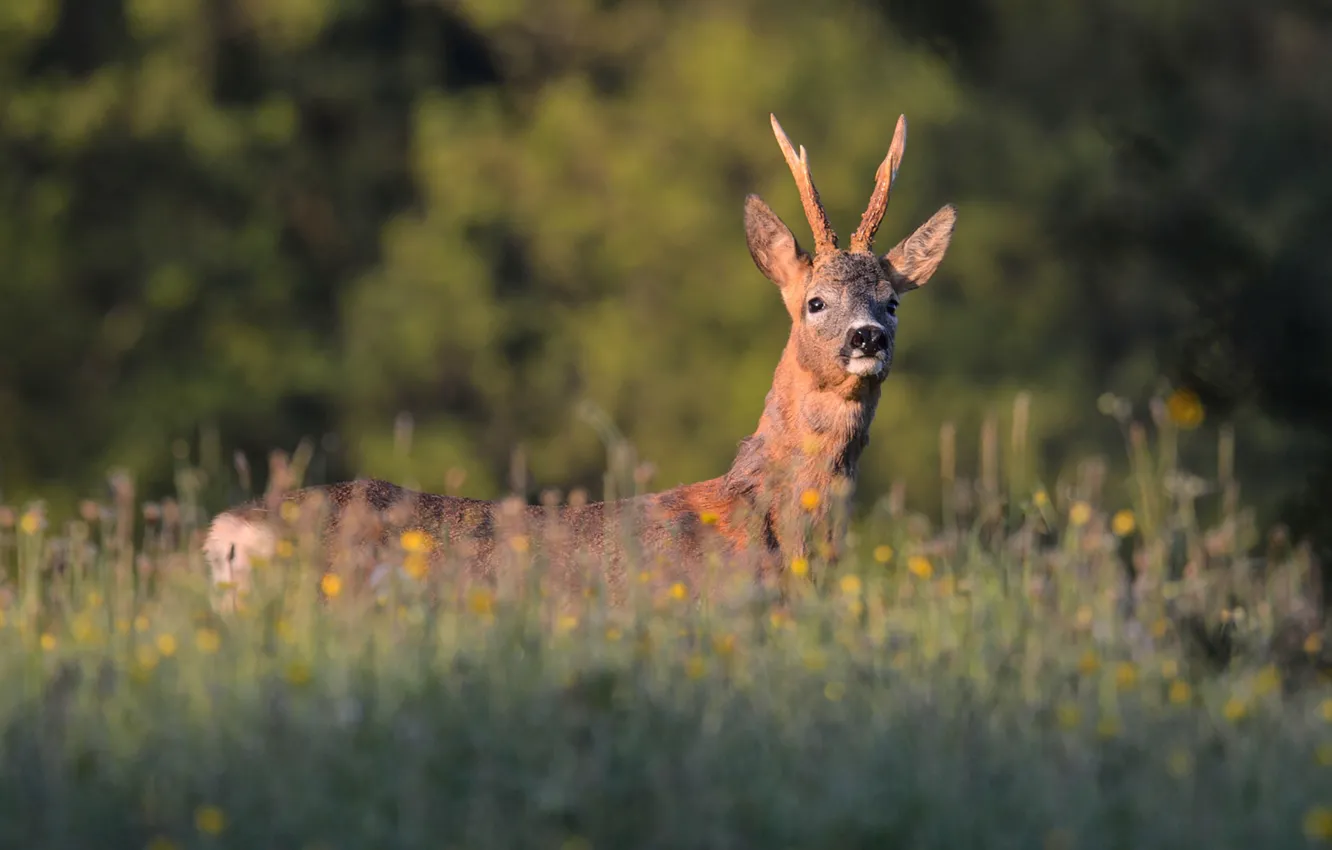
pixel 188 185
pixel 1204 241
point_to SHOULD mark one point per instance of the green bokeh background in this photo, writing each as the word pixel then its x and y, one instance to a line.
pixel 263 220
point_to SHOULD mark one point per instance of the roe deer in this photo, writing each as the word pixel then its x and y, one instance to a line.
pixel 814 426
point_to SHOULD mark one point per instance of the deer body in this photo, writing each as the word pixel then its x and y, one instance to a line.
pixel 756 518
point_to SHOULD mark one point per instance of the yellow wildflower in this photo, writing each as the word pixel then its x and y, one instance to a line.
pixel 1084 616
pixel 298 673
pixel 883 553
pixel 1160 627
pixel 1079 514
pixel 1088 663
pixel 1185 409
pixel 416 541
pixel 850 585
pixel 1326 709
pixel 31 523
pixel 1179 763
pixel 166 644
pixel 94 599
pixel 48 641
pixel 207 640
pixel 613 634
pixel 520 543
pixel 1108 727
pixel 695 667
pixel 415 565
pixel 1313 644
pixel 331 585
pixel 1123 523
pixel 1269 679
pixel 799 566
pixel 480 601
pixel 1069 715
pixel 141 624
pixel 1126 675
pixel 290 512
pixel 724 645
pixel 1234 709
pixel 708 518
pixel 1318 824
pixel 566 623
pixel 161 842
pixel 285 549
pixel 679 591
pixel 1169 668
pixel 210 820
pixel 809 500
pixel 1040 498
pixel 1180 692
pixel 920 566
pixel 834 691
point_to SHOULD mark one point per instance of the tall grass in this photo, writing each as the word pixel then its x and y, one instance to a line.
pixel 1046 669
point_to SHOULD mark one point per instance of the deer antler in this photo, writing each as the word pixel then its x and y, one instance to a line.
pixel 863 238
pixel 825 239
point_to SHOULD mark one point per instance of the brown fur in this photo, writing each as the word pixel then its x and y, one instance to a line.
pixel 753 520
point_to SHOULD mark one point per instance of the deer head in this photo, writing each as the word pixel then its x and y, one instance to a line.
pixel 843 303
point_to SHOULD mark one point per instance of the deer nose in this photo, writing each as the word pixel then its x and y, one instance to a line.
pixel 869 339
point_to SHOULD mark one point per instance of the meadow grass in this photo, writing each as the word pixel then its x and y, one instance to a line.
pixel 998 682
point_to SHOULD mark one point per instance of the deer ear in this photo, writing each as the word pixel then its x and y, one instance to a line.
pixel 915 259
pixel 772 245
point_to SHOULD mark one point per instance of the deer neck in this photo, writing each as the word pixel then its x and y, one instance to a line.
pixel 809 441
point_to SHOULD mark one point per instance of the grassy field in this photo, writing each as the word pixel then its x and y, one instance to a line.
pixel 996 682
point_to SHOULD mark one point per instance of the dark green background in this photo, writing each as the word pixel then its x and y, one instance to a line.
pixel 272 219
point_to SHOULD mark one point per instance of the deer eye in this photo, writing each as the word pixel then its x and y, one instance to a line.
pixel 892 308
pixel 816 304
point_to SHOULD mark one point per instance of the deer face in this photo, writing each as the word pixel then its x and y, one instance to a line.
pixel 843 303
pixel 846 319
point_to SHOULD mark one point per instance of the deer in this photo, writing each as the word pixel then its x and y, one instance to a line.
pixel 759 517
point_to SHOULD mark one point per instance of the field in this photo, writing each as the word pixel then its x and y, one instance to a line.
pixel 993 682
